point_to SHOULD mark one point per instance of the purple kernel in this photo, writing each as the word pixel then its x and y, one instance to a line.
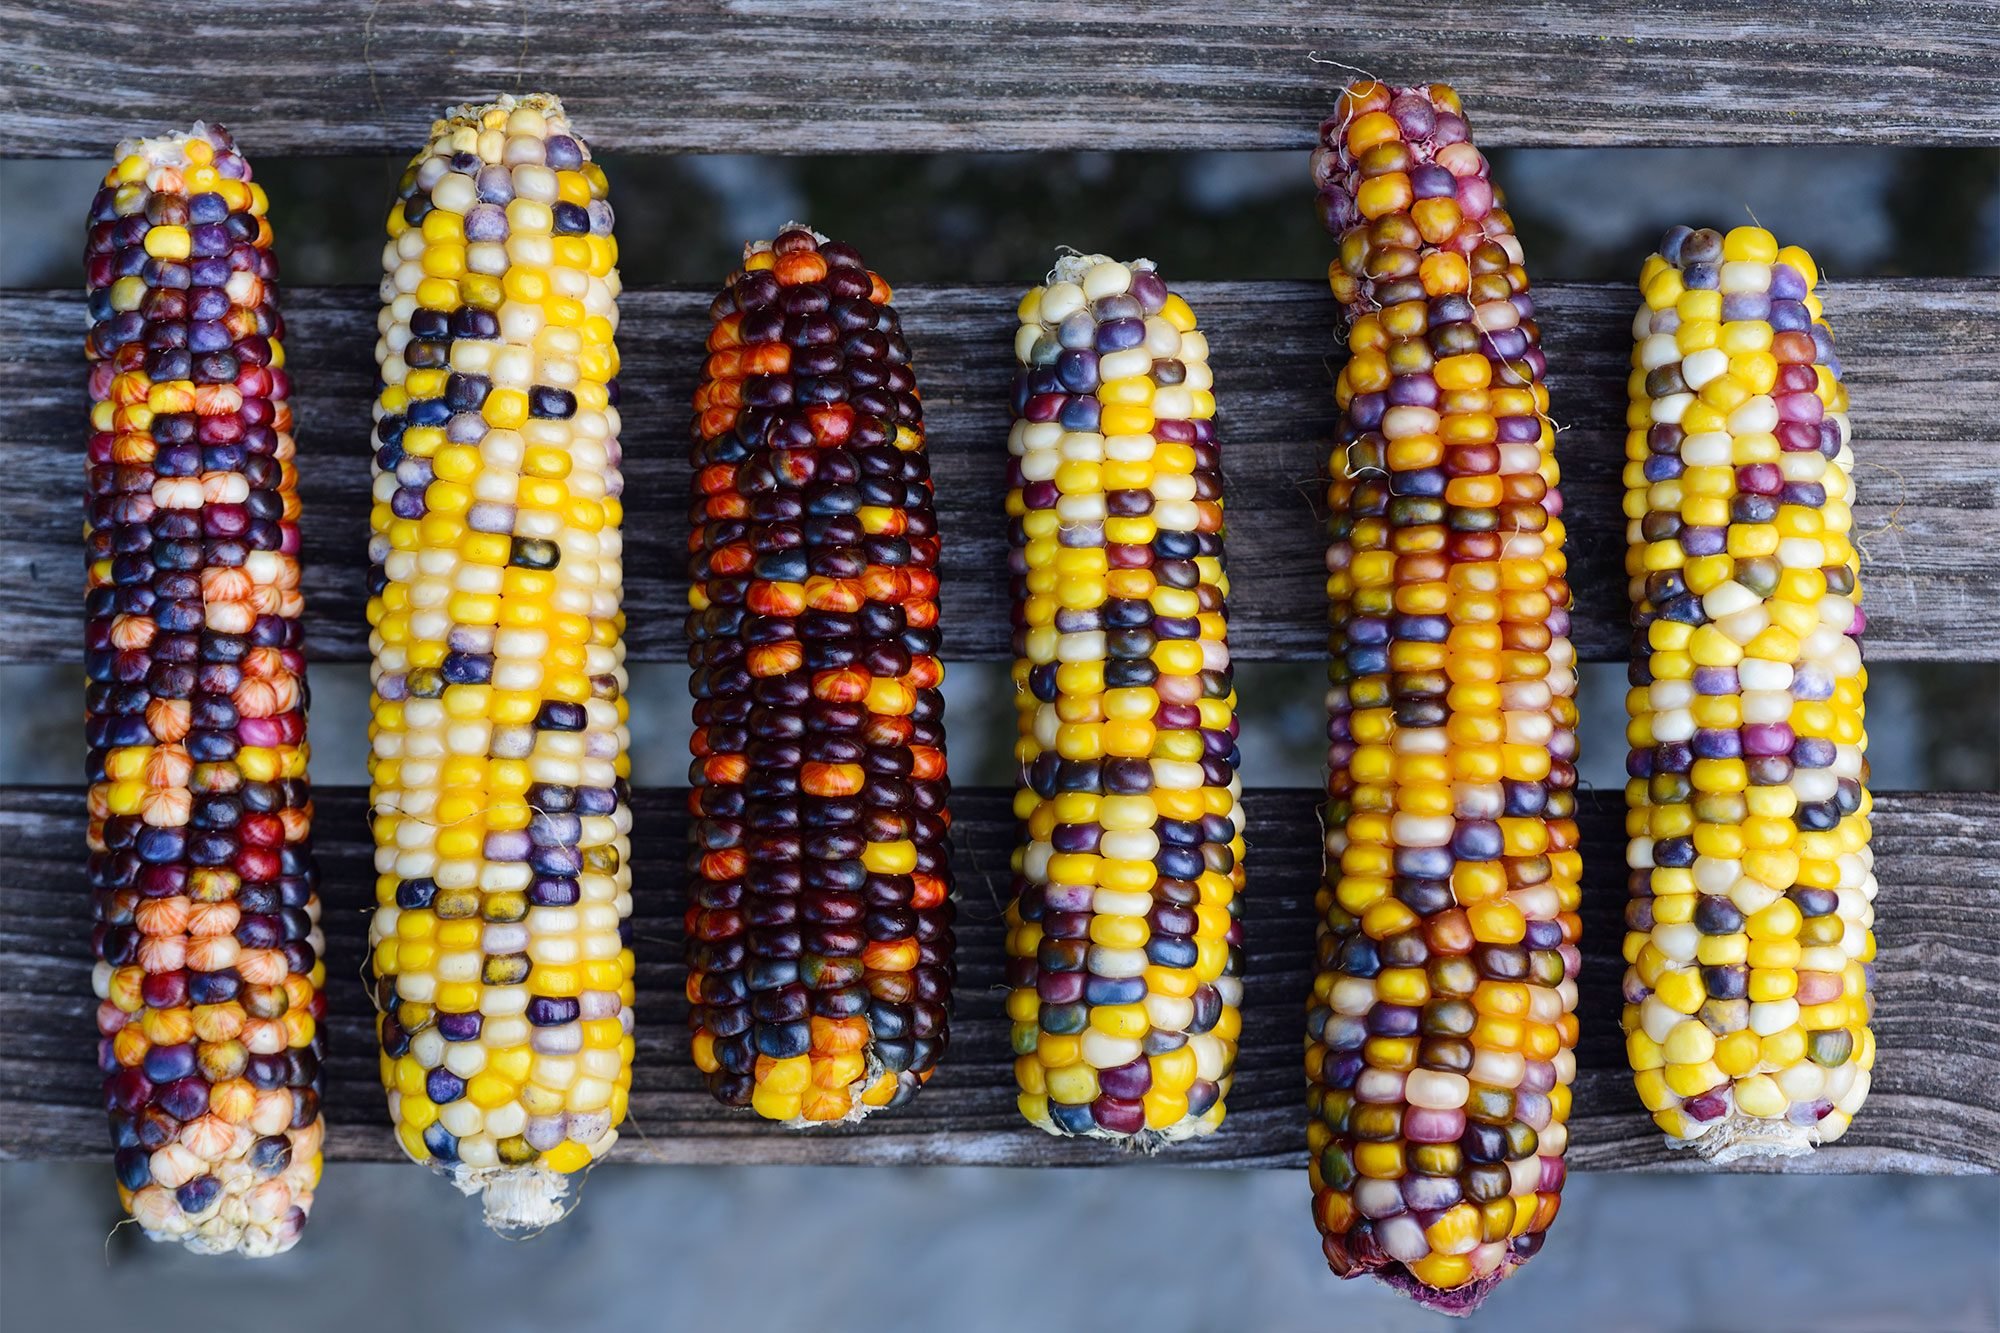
pixel 1128 1082
pixel 1119 1115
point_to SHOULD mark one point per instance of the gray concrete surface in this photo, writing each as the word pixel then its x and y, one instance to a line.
pixel 992 1250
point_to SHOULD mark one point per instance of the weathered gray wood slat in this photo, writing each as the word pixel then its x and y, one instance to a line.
pixel 1923 357
pixel 1935 1106
pixel 825 76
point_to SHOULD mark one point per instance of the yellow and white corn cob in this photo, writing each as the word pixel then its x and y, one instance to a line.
pixel 1125 954
pixel 1441 1028
pixel 499 769
pixel 1749 931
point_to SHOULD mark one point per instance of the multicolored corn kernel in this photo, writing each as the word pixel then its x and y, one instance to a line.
pixel 1124 952
pixel 1441 1023
pixel 1749 930
pixel 502 959
pixel 206 932
pixel 819 926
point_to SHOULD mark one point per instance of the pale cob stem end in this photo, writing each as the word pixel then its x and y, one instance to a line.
pixel 1740 1136
pixel 171 150
pixel 769 244
pixel 1458 1302
pixel 519 1201
pixel 1147 1141
pixel 856 1113
pixel 1074 264
pixel 473 114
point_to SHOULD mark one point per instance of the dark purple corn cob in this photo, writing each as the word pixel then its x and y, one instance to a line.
pixel 819 940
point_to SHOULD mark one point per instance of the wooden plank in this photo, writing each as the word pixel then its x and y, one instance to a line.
pixel 1923 357
pixel 824 76
pixel 1935 1106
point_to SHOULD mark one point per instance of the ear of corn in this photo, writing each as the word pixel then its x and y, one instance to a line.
pixel 1124 952
pixel 1440 1027
pixel 207 933
pixel 1749 931
pixel 819 941
pixel 502 964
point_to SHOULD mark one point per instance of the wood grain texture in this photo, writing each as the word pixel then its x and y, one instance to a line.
pixel 1935 1106
pixel 1923 358
pixel 827 76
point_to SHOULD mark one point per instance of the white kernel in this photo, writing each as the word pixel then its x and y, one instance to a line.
pixel 1698 368
pixel 1108 278
pixel 1059 301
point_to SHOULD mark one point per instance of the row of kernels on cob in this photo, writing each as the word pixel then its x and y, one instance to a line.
pixel 1441 1024
pixel 819 940
pixel 498 770
pixel 1749 938
pixel 1125 954
pixel 207 933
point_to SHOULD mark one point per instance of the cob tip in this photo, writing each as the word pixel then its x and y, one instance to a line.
pixel 1742 1136
pixel 1458 1302
pixel 519 1201
pixel 176 151
pixel 475 114
pixel 769 245
pixel 1071 265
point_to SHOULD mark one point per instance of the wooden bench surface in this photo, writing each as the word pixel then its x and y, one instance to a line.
pixel 812 76
pixel 1925 372
pixel 295 77
pixel 1935 1107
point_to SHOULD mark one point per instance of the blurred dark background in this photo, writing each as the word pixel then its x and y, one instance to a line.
pixel 1141 1246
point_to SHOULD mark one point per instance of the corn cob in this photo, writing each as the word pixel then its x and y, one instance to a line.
pixel 503 966
pixel 1749 930
pixel 207 933
pixel 1440 1027
pixel 819 940
pixel 1124 951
